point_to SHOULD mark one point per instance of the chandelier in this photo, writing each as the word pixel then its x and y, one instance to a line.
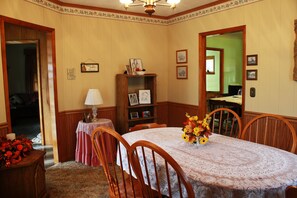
pixel 149 5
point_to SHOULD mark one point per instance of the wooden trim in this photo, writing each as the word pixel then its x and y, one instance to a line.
pixel 202 59
pixel 177 111
pixel 3 129
pixel 5 75
pixel 50 33
pixel 105 9
pixel 197 8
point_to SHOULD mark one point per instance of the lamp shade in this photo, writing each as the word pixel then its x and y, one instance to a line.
pixel 93 97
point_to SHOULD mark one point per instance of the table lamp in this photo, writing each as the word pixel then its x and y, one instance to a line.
pixel 94 98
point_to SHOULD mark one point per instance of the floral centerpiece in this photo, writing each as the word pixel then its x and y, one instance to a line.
pixel 12 151
pixel 196 131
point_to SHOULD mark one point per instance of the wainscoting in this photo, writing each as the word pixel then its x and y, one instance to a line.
pixel 170 113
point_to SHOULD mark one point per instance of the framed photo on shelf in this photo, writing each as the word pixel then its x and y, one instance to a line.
pixel 133 99
pixel 146 114
pixel 134 115
pixel 89 67
pixel 135 63
pixel 181 56
pixel 145 96
pixel 182 72
pixel 252 59
pixel 252 74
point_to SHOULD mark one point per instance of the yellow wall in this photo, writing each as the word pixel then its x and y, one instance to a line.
pixel 270 34
pixel 85 39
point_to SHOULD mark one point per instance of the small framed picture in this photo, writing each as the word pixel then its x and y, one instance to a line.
pixel 136 64
pixel 252 59
pixel 89 67
pixel 146 114
pixel 252 74
pixel 133 99
pixel 182 72
pixel 134 115
pixel 181 56
pixel 145 96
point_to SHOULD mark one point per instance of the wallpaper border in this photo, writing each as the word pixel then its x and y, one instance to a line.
pixel 140 19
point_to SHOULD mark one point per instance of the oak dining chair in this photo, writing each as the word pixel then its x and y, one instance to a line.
pixel 146 126
pixel 225 121
pixel 291 192
pixel 157 170
pixel 120 183
pixel 272 130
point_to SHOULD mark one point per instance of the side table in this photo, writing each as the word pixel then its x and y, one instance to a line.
pixel 84 151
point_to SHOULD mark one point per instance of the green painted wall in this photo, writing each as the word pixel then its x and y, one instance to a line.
pixel 232 45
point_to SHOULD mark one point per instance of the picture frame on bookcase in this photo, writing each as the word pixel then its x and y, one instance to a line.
pixel 133 99
pixel 145 96
pixel 146 114
pixel 134 115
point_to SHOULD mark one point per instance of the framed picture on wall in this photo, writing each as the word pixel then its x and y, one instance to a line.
pixel 182 72
pixel 252 59
pixel 89 67
pixel 252 74
pixel 181 56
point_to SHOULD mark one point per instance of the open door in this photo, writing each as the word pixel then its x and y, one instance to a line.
pixel 203 45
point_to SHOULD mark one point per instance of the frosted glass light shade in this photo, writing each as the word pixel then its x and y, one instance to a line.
pixel 93 97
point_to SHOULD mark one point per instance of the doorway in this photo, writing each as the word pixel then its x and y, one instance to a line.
pixel 23 85
pixel 204 44
pixel 16 31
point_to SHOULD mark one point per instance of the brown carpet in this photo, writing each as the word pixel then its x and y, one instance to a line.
pixel 76 180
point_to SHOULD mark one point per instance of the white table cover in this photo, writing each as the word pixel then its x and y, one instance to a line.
pixel 225 166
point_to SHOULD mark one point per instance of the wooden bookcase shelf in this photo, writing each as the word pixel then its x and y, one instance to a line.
pixel 126 84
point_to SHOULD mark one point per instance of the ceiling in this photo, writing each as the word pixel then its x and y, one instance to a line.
pixel 184 5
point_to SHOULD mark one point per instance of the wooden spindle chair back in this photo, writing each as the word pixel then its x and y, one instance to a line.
pixel 291 192
pixel 225 121
pixel 120 183
pixel 158 169
pixel 272 130
pixel 147 126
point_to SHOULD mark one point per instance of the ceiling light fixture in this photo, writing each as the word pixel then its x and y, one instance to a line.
pixel 149 5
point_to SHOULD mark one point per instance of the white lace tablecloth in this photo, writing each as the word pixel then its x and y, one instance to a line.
pixel 225 166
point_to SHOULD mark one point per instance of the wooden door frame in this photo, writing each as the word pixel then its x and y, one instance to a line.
pixel 51 55
pixel 202 69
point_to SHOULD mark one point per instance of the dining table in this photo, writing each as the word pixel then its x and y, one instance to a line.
pixel 225 166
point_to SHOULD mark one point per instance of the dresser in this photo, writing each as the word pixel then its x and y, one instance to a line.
pixel 25 179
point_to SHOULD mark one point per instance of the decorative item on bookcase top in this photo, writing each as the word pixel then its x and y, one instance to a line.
pixel 146 114
pixel 12 151
pixel 134 115
pixel 133 99
pixel 145 96
pixel 252 59
pixel 89 67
